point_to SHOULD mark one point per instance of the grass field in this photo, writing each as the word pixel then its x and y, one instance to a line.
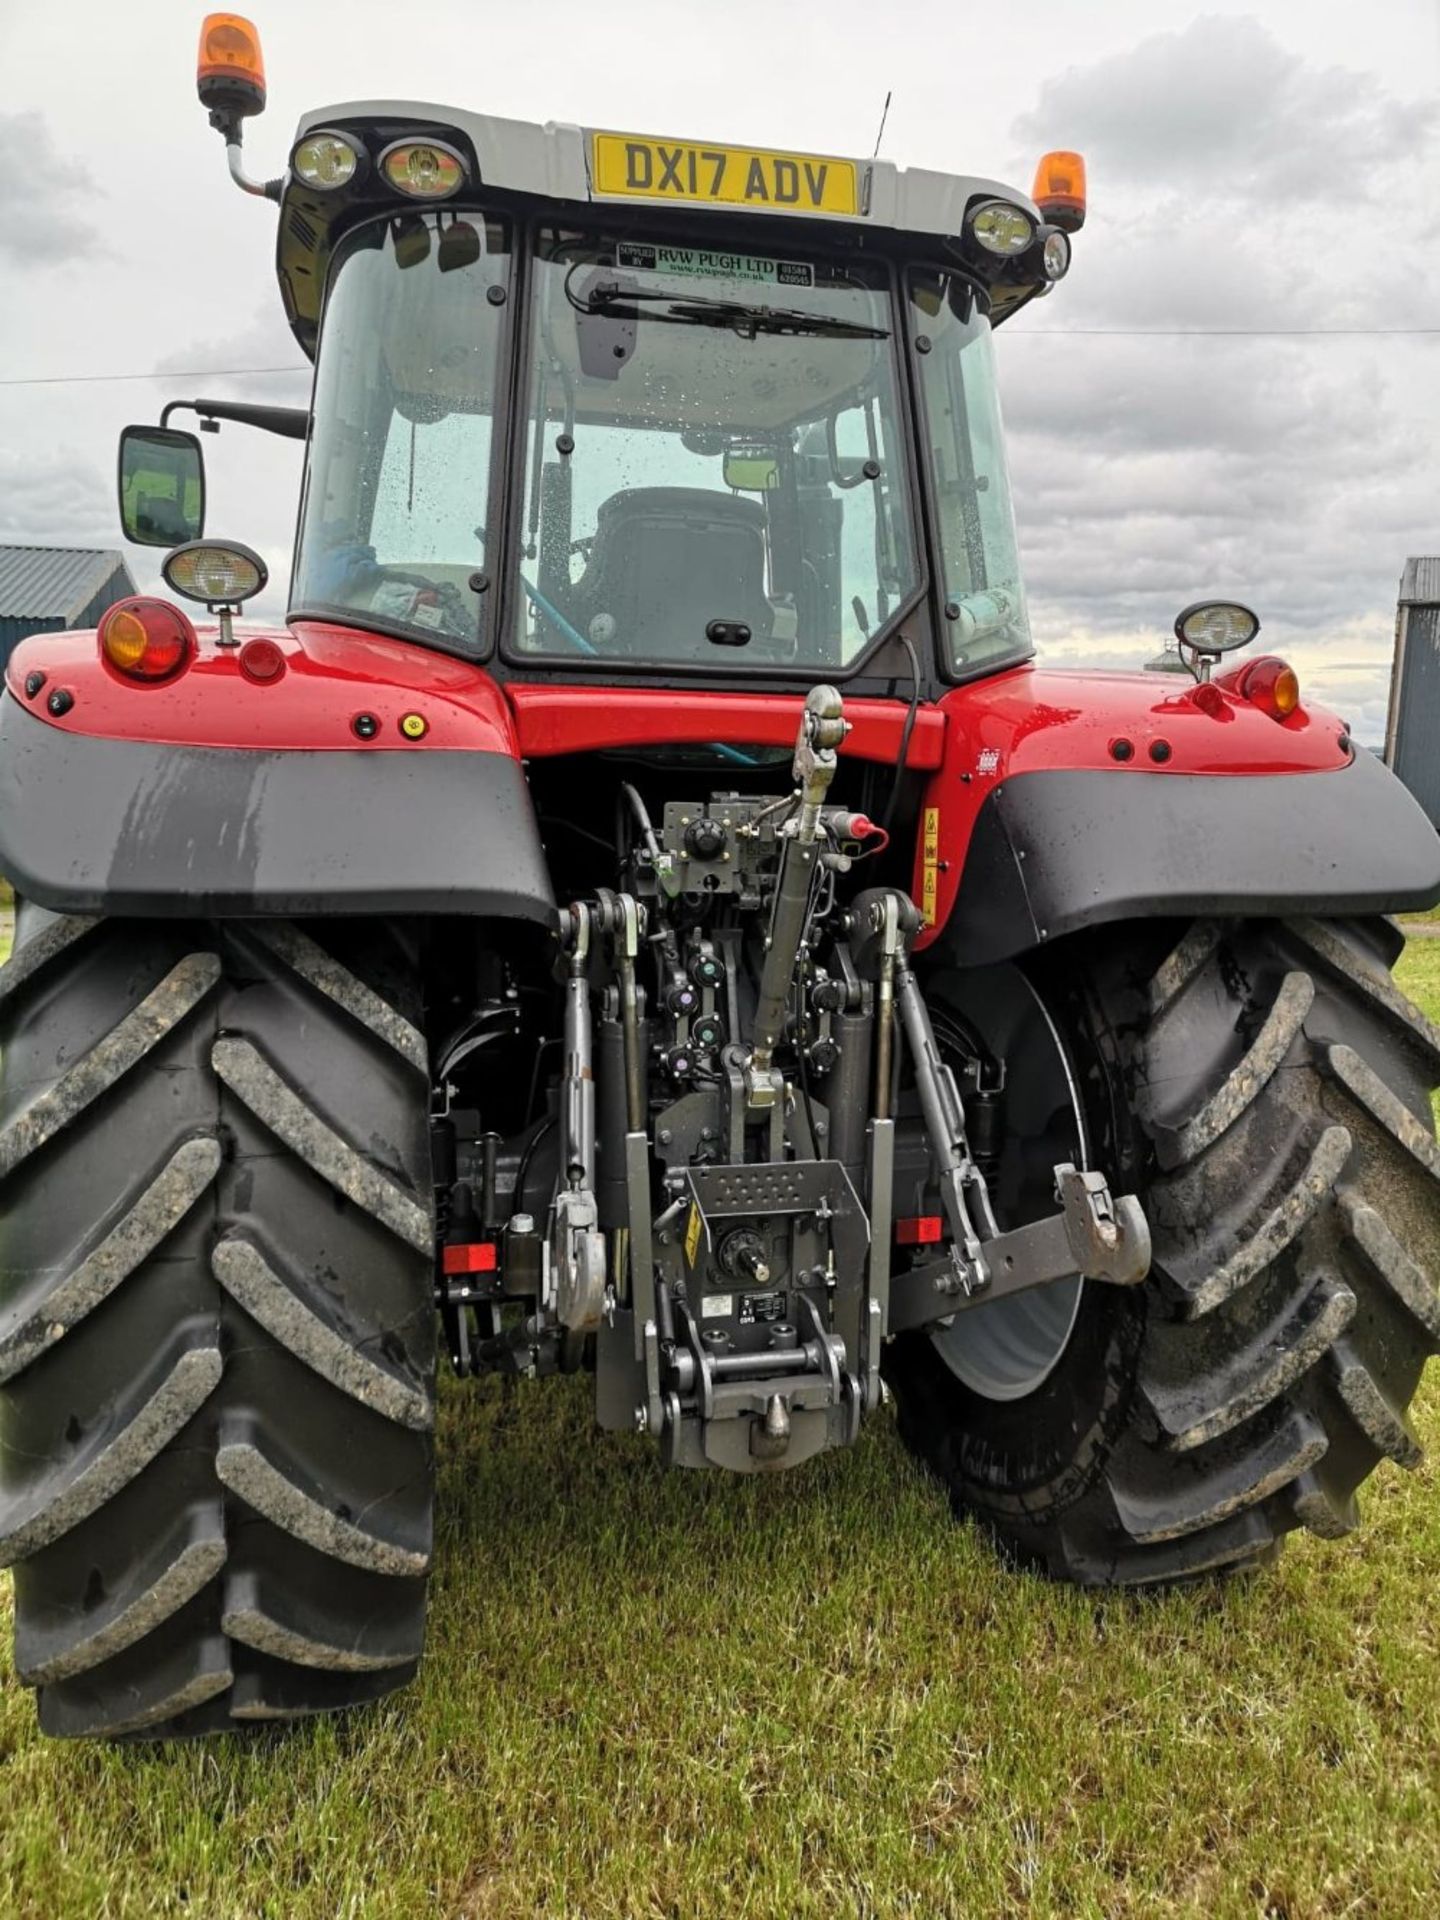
pixel 689 1697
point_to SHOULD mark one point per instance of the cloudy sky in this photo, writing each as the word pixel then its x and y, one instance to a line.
pixel 1236 391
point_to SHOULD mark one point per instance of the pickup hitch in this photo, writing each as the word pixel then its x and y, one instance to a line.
pixel 1095 1234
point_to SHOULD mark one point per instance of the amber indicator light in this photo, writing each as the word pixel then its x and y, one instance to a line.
pixel 1272 685
pixel 146 640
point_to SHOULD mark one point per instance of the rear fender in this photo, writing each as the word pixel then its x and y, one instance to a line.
pixel 1069 800
pixel 220 795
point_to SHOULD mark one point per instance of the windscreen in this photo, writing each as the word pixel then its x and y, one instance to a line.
pixel 715 473
pixel 394 528
pixel 986 624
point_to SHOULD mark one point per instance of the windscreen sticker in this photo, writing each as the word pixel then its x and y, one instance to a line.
pixel 714 266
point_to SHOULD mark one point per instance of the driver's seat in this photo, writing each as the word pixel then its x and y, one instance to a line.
pixel 664 563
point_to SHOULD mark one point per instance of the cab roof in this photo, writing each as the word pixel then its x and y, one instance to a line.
pixel 699 182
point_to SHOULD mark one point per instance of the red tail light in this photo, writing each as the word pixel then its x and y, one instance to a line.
pixel 920 1230
pixel 146 639
pixel 1271 684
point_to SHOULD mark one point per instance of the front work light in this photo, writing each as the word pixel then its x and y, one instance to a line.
pixel 1059 190
pixel 325 161
pixel 144 639
pixel 1002 228
pixel 1216 626
pixel 423 169
pixel 230 68
pixel 1055 256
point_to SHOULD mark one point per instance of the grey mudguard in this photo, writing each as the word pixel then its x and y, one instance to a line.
pixel 122 826
pixel 1056 851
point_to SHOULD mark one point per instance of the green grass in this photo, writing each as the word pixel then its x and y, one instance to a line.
pixel 691 1696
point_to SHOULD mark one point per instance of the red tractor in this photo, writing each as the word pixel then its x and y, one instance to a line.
pixel 645 912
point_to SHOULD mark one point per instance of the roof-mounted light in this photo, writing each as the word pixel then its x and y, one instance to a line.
pixel 424 169
pixel 1055 256
pixel 1059 190
pixel 326 160
pixel 1001 228
pixel 230 68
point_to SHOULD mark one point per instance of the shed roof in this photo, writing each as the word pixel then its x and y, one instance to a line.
pixel 1420 583
pixel 50 583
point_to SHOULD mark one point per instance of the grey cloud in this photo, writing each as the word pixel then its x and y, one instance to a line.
pixel 55 497
pixel 262 341
pixel 1233 183
pixel 1221 107
pixel 1296 474
pixel 42 224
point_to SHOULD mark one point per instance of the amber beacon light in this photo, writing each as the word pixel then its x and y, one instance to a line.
pixel 1059 190
pixel 230 68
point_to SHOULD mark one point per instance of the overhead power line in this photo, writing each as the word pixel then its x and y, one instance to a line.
pixel 1028 333
pixel 185 373
pixel 1228 333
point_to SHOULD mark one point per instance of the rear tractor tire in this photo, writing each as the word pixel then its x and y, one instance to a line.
pixel 216 1322
pixel 1265 1088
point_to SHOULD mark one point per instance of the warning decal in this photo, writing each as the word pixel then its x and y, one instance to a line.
pixel 930 866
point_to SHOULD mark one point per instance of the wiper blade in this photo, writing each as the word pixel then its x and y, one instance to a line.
pixel 698 310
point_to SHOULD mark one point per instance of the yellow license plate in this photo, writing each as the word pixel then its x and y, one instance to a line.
pixel 628 166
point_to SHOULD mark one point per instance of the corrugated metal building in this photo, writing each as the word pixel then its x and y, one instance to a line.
pixel 50 589
pixel 1412 732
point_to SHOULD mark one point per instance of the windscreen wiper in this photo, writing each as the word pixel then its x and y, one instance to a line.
pixel 698 310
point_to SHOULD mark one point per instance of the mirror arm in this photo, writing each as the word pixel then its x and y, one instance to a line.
pixel 291 423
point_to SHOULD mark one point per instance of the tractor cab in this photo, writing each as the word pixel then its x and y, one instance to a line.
pixel 615 455
pixel 605 405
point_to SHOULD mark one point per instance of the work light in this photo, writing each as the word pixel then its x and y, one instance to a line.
pixel 1216 626
pixel 423 169
pixel 1055 256
pixel 325 161
pixel 1002 228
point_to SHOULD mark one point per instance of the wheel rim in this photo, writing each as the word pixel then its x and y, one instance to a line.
pixel 1009 1349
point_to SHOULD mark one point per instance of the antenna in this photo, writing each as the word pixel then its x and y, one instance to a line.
pixel 884 116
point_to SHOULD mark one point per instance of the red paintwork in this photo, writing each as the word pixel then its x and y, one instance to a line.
pixel 332 673
pixel 1033 718
pixel 571 719
pixel 976 736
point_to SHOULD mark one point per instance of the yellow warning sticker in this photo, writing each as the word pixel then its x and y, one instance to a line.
pixel 692 1233
pixel 930 866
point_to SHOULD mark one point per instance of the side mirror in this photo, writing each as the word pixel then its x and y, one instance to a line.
pixel 162 486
